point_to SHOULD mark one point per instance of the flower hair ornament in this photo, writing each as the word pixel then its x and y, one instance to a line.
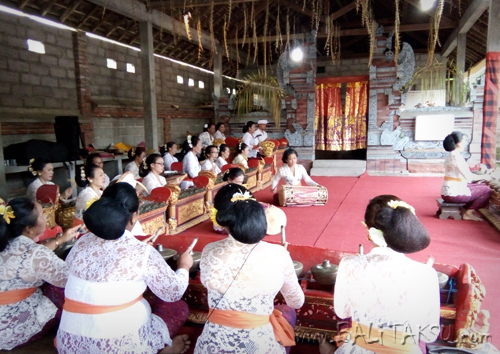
pixel 82 173
pixel 144 164
pixel 133 152
pixel 213 216
pixel 376 236
pixel 239 196
pixel 205 126
pixel 399 203
pixel 30 168
pixel 239 146
pixel 188 139
pixel 7 213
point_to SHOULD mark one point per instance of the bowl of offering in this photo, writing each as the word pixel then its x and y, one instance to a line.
pixel 325 273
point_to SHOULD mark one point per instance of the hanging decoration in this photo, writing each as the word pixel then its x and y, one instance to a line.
pixel 200 46
pixel 264 38
pixel 279 39
pixel 368 20
pixel 267 91
pixel 212 37
pixel 237 54
pixel 225 37
pixel 244 25
pixel 332 44
pixel 186 17
pixel 397 39
pixel 287 48
pixel 434 31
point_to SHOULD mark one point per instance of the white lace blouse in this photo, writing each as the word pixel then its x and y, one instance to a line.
pixel 219 135
pixel 267 271
pixel 151 181
pixel 168 160
pixel 84 197
pixel 132 167
pixel 455 166
pixel 25 264
pixel 208 165
pixel 206 139
pixel 241 159
pixel 33 188
pixel 385 287
pixel 191 166
pixel 114 272
pixel 220 162
pixel 251 142
pixel 289 178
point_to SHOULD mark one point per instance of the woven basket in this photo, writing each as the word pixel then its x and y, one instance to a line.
pixel 65 216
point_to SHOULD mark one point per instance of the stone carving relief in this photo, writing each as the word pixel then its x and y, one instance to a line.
pixel 405 67
pixel 231 103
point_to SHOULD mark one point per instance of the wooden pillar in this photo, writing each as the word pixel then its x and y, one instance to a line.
pixel 218 71
pixel 492 78
pixel 148 85
pixel 461 48
pixel 3 180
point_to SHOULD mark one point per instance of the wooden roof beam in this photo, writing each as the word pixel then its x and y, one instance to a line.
pixel 136 10
pixel 469 17
pixel 355 32
pixel 23 4
pixel 115 27
pixel 182 3
pixel 70 10
pixel 87 16
pixel 47 8
pixel 257 10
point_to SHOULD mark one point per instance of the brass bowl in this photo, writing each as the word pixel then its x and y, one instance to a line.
pixel 325 273
pixel 299 267
pixel 167 253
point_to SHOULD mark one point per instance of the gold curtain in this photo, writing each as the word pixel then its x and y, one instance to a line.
pixel 328 120
pixel 356 102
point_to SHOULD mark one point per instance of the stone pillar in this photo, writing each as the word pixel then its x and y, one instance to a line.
pixel 148 85
pixel 82 76
pixel 217 71
pixel 461 48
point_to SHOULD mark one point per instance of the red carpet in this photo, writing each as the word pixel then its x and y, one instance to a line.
pixel 338 226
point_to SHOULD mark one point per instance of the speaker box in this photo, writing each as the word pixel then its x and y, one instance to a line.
pixel 68 133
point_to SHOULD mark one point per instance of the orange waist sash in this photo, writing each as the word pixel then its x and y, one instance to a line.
pixel 456 179
pixel 383 341
pixel 13 296
pixel 88 309
pixel 283 331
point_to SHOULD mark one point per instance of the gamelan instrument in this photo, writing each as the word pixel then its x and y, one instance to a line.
pixel 302 195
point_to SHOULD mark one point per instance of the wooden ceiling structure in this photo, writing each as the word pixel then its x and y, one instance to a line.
pixel 99 17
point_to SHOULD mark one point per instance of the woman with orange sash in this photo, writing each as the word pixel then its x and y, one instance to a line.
pixel 242 275
pixel 458 186
pixel 108 272
pixel 26 311
pixel 386 294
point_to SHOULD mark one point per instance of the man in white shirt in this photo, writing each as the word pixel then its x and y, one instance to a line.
pixel 261 132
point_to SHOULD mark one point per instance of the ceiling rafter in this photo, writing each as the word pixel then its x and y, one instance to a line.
pixel 70 10
pixel 47 8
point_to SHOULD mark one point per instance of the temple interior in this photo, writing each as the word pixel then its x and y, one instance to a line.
pixel 322 105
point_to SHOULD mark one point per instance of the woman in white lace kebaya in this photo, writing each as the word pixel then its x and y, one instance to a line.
pixel 190 164
pixel 168 152
pixel 93 179
pixel 220 128
pixel 137 155
pixel 44 172
pixel 243 275
pixel 211 153
pixel 27 312
pixel 108 272
pixel 96 159
pixel 457 185
pixel 207 136
pixel 242 151
pixel 151 169
pixel 384 291
pixel 224 153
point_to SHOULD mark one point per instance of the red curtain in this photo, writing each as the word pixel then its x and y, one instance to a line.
pixel 336 131
pixel 356 103
pixel 328 120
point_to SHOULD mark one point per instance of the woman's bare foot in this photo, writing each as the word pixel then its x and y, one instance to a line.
pixel 325 347
pixel 180 344
pixel 469 215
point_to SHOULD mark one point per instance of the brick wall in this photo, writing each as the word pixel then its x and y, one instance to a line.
pixel 31 80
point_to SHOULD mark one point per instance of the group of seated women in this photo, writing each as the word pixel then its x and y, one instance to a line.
pixel 108 310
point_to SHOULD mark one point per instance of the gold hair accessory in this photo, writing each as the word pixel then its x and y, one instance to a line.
pixel 239 146
pixel 82 173
pixel 144 165
pixel 377 237
pixel 238 196
pixel 227 171
pixel 399 203
pixel 213 216
pixel 133 152
pixel 30 168
pixel 7 213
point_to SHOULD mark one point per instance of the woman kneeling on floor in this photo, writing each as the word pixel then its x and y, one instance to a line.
pixel 384 287
pixel 108 272
pixel 28 310
pixel 243 275
pixel 457 186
